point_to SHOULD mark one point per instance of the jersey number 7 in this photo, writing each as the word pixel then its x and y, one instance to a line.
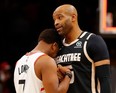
pixel 22 82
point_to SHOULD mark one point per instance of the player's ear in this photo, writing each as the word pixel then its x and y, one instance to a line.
pixel 74 17
pixel 54 45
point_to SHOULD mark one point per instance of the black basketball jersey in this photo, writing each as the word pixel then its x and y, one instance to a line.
pixel 75 56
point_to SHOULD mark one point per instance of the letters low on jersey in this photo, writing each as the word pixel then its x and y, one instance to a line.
pixel 25 78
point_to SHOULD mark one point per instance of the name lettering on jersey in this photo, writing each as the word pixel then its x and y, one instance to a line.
pixel 69 57
pixel 23 68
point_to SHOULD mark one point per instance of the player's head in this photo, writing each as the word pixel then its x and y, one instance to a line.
pixel 52 38
pixel 65 17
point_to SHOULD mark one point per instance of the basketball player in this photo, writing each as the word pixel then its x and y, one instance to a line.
pixel 36 71
pixel 84 53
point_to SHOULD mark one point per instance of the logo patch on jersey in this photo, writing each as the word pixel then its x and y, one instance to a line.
pixel 78 44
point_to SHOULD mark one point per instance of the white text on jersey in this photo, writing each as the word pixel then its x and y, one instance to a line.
pixel 69 57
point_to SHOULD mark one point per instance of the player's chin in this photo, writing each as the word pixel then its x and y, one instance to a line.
pixel 60 33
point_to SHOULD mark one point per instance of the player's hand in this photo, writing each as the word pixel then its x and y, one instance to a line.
pixel 60 75
pixel 63 69
pixel 61 72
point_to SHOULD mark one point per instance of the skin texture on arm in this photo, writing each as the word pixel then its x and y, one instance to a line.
pixel 48 74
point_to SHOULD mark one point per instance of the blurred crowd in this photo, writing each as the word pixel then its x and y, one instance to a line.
pixel 6 80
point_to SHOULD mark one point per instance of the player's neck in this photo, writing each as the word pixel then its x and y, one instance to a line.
pixel 41 46
pixel 73 35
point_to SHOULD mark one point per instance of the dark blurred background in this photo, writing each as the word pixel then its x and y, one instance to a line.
pixel 21 21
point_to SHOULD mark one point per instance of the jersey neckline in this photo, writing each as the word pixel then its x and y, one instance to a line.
pixel 80 36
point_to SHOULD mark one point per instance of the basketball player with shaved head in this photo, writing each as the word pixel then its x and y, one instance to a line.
pixel 85 53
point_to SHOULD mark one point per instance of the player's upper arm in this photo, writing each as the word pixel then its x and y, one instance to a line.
pixel 49 74
pixel 97 50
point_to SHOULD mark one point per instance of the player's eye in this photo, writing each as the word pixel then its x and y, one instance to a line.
pixel 60 17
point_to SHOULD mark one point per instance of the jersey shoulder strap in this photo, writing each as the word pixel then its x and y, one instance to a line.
pixel 85 35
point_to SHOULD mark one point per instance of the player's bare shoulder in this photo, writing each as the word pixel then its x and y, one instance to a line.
pixel 43 63
pixel 45 60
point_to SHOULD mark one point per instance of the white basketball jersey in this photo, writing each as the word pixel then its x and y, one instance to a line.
pixel 25 79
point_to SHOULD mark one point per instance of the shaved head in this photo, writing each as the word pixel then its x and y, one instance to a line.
pixel 65 19
pixel 69 9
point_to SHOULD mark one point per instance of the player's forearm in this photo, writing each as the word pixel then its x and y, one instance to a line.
pixel 64 85
pixel 103 74
pixel 105 85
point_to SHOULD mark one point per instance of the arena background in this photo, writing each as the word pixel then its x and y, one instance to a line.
pixel 21 21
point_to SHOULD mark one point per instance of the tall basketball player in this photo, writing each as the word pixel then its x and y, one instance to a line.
pixel 85 53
